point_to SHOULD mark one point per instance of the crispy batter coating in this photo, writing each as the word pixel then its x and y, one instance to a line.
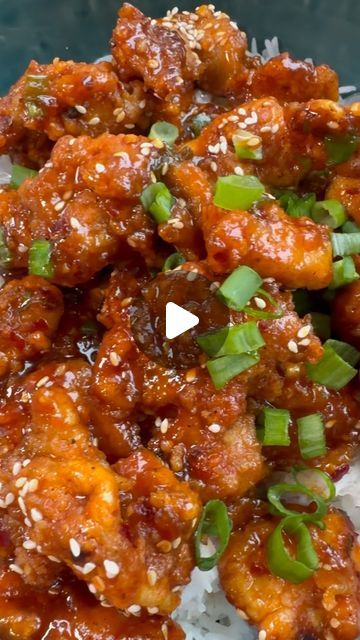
pixel 30 310
pixel 295 251
pixel 345 316
pixel 325 606
pixel 347 191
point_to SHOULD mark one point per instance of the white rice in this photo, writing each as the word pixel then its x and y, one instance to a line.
pixel 5 169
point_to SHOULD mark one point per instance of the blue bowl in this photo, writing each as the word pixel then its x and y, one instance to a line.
pixel 325 30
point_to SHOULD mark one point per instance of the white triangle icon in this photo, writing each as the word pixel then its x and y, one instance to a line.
pixel 178 320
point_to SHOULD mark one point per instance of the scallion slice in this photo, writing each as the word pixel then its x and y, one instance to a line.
pixel 345 244
pixel 331 370
pixel 40 263
pixel 344 272
pixel 240 338
pixel 276 427
pixel 164 131
pixel 321 324
pixel 237 192
pixel 227 367
pixel 281 564
pixel 247 145
pixel 157 200
pixel 19 174
pixel 346 351
pixel 340 149
pixel 214 522
pixel 173 261
pixel 350 227
pixel 311 436
pixel 5 253
pixel 329 212
pixel 275 493
pixel 299 206
pixel 265 315
pixel 239 287
pixel 316 480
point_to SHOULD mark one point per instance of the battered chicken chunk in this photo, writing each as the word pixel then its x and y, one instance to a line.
pixel 30 310
pixel 66 97
pixel 65 499
pixel 325 606
pixel 345 315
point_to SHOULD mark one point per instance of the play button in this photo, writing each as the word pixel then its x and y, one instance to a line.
pixel 173 309
pixel 178 320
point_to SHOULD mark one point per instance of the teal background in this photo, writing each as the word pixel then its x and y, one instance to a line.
pixel 326 30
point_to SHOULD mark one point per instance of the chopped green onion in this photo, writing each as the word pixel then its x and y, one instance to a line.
pixel 299 206
pixel 214 522
pixel 265 315
pixel 275 493
pixel 321 324
pixel 331 370
pixel 33 110
pixel 227 367
pixel 280 562
pixel 5 253
pixel 19 174
pixel 199 122
pixel 237 192
pixel 346 351
pixel 239 287
pixel 240 338
pixel 89 328
pixel 164 131
pixel 310 478
pixel 157 200
pixel 345 244
pixel 276 427
pixel 173 261
pixel 350 227
pixel 247 145
pixel 329 212
pixel 339 150
pixel 344 272
pixel 40 263
pixel 311 436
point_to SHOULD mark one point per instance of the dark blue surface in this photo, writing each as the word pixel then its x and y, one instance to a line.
pixel 326 30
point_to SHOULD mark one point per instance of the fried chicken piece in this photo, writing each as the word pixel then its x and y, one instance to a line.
pixel 30 310
pixel 347 191
pixel 295 251
pixel 30 614
pixel 67 502
pixel 66 97
pixel 324 606
pixel 345 314
pixel 86 203
pixel 290 80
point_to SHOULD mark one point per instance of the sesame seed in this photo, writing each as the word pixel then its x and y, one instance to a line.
pixel 28 522
pixel 94 121
pixel 326 567
pixel 81 109
pixel 88 567
pixel 262 634
pixel 36 515
pixel 16 468
pixel 59 205
pixel 239 171
pixel 153 610
pixel 24 490
pixel 305 342
pixel 134 608
pixel 304 331
pixel 2 504
pixel 164 631
pixel 329 424
pixel 233 118
pixel 292 346
pixel 54 559
pixel 164 426
pixel 74 223
pixel 260 303
pixel 92 588
pixel 9 499
pixel 22 506
pixel 145 151
pixel 242 614
pixel 112 569
pixel 29 544
pixel 120 116
pixel 67 195
pixel 333 125
pixel 164 545
pixel 16 569
pixel 214 428
pixel 265 128
pixel 129 126
pixel 213 166
pixel 33 485
pixel 164 168
pixel 99 168
pixel 152 577
pixel 214 148
pixel 334 623
pixel 176 543
pixel 114 358
pixel 71 142
pixel 42 382
pixel 20 482
pixel 275 128
pixel 74 547
pixel 190 375
pixel 142 104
